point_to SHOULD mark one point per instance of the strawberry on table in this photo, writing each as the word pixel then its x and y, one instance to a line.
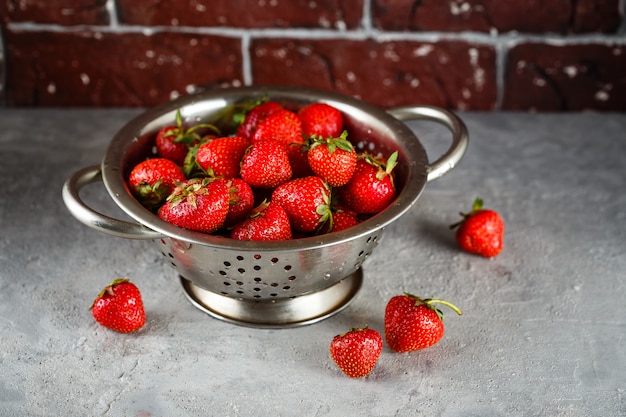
pixel 306 201
pixel 357 351
pixel 321 119
pixel 266 164
pixel 282 125
pixel 268 221
pixel 371 188
pixel 198 204
pixel 119 307
pixel 173 142
pixel 152 180
pixel 481 231
pixel 221 157
pixel 412 323
pixel 332 158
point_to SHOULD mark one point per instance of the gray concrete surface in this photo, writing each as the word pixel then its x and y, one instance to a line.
pixel 542 334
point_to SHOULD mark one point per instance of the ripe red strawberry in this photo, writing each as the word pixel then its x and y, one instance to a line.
pixel 221 157
pixel 267 221
pixel 321 119
pixel 333 159
pixel 198 204
pixel 342 218
pixel 481 231
pixel 412 323
pixel 240 200
pixel 282 125
pixel 306 201
pixel 266 164
pixel 152 180
pixel 371 188
pixel 298 159
pixel 356 352
pixel 119 307
pixel 254 116
pixel 173 142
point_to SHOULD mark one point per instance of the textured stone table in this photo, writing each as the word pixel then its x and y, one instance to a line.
pixel 542 334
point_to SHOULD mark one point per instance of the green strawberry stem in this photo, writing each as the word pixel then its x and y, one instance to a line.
pixel 477 206
pixel 430 303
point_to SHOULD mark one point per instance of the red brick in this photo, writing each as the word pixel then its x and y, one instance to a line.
pixel 106 69
pixel 576 77
pixel 61 12
pixel 243 13
pixel 530 16
pixel 448 74
pixel 596 16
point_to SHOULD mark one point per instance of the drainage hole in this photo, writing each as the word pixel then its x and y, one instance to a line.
pixel 257 279
pixel 222 272
pixel 287 267
pixel 291 278
pixel 240 258
pixel 226 263
pixel 241 270
pixel 227 283
pixel 239 283
pixel 274 260
pixel 257 289
pixel 286 287
pixel 257 268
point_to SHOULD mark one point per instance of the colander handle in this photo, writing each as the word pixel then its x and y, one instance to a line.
pixel 92 218
pixel 460 137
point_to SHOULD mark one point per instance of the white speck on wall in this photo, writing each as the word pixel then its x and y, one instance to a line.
pixel 473 55
pixel 97 35
pixel 391 55
pixel 350 76
pixel 340 25
pixel 570 70
pixel 261 52
pixel 280 53
pixel 457 8
pixel 190 88
pixel 200 7
pixel 312 5
pixel 67 12
pixel 466 93
pixel 443 59
pixel 324 22
pixel 84 78
pixel 520 65
pixel 150 53
pixel 479 78
pixel 193 42
pixel 236 83
pixel 423 50
pixel 387 82
pixel 174 94
pixel 52 88
pixel 601 95
pixel 617 51
pixel 373 54
pixel 305 50
pixel 539 82
pixel 414 83
pixel 140 64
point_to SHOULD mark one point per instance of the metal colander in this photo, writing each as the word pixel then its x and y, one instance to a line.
pixel 266 284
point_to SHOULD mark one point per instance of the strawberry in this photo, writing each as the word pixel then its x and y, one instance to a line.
pixel 173 142
pixel 356 352
pixel 240 200
pixel 371 187
pixel 267 221
pixel 342 218
pixel 152 180
pixel 321 119
pixel 306 201
pixel 298 160
pixel 265 164
pixel 119 307
pixel 282 125
pixel 254 116
pixel 221 157
pixel 198 204
pixel 333 159
pixel 481 231
pixel 412 323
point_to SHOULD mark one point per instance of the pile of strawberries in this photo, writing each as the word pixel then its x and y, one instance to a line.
pixel 278 174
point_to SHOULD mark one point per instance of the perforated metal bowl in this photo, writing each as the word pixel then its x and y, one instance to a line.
pixel 266 284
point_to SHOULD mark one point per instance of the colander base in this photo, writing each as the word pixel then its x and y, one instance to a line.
pixel 276 313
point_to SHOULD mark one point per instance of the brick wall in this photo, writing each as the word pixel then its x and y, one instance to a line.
pixel 527 55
